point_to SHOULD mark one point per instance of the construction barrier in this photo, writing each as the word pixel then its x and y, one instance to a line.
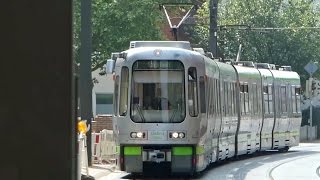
pixel 103 147
pixel 108 146
pixel 96 147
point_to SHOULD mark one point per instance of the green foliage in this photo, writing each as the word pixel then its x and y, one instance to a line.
pixel 295 47
pixel 115 23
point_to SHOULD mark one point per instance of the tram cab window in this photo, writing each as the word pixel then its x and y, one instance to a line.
pixel 157 91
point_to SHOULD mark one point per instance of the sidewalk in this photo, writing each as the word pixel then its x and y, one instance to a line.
pixel 104 172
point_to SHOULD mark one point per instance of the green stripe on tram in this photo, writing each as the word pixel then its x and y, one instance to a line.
pixel 132 151
pixel 182 151
pixel 199 150
pixel 117 149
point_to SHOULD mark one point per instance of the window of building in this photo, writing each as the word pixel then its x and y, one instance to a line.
pixel 104 103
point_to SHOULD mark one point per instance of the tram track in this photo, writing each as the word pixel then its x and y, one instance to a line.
pixel 289 161
pixel 318 171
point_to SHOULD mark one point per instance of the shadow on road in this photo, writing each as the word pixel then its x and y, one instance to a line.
pixel 249 163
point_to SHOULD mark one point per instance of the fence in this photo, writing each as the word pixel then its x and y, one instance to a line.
pixel 308 133
pixel 103 147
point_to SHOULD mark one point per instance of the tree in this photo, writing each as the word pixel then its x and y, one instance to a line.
pixel 295 47
pixel 115 23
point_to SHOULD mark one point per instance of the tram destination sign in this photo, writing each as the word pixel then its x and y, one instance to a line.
pixel 311 68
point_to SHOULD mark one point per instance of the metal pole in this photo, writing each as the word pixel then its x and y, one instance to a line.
pixel 85 70
pixel 310 116
pixel 213 27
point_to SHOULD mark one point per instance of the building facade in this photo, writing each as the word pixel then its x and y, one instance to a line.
pixel 102 94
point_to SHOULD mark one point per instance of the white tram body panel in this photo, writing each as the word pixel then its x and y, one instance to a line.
pixel 268 110
pixel 287 110
pixel 250 105
pixel 175 108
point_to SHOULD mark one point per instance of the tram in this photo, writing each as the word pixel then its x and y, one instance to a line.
pixel 178 109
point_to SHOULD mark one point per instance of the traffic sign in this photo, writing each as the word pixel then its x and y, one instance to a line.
pixel 311 68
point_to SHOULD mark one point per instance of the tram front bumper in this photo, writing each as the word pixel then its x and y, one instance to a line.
pixel 176 159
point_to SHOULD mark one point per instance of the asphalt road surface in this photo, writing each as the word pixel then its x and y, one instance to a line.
pixel 299 163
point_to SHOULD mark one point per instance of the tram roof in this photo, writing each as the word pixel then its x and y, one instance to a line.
pixel 247 72
pixel 287 76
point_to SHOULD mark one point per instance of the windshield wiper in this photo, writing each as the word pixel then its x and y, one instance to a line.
pixel 140 113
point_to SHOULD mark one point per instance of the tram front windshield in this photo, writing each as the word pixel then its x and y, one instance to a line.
pixel 158 94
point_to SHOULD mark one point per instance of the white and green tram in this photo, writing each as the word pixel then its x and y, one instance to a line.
pixel 179 110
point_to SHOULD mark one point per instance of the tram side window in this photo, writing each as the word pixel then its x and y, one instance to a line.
pixel 210 97
pixel 270 99
pixel 293 98
pixel 242 99
pixel 202 95
pixel 192 95
pixel 298 99
pixel 230 98
pixel 115 100
pixel 266 100
pixel 246 98
pixel 124 91
pixel 235 98
pixel 283 99
pixel 225 103
pixel 255 99
pixel 217 97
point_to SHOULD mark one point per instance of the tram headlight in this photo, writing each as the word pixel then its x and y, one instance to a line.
pixel 139 134
pixel 181 135
pixel 133 135
pixel 175 135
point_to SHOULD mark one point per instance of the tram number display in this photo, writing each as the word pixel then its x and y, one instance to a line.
pixel 157 135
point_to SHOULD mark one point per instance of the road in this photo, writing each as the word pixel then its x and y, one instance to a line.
pixel 299 163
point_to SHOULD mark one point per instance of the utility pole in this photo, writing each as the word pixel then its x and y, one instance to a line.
pixel 311 68
pixel 85 70
pixel 213 6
